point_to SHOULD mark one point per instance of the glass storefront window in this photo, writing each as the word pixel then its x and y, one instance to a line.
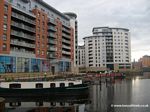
pixel 7 64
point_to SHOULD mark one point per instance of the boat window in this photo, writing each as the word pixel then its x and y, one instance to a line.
pixel 14 85
pixel 62 84
pixel 71 84
pixel 62 103
pixel 39 85
pixel 53 104
pixel 52 85
pixel 13 104
pixel 39 103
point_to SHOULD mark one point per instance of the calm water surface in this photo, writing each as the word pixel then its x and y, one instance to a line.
pixel 103 98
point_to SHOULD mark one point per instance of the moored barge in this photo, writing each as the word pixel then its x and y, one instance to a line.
pixel 43 88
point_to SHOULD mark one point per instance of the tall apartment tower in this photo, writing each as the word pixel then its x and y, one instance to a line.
pixel 74 25
pixel 34 37
pixel 108 48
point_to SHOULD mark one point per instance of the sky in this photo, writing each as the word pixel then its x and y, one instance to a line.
pixel 131 14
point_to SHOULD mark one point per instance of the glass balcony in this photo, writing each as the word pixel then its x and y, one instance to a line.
pixel 23 35
pixel 66 47
pixel 52 28
pixel 22 43
pixel 66 36
pixel 23 18
pixel 65 52
pixel 22 26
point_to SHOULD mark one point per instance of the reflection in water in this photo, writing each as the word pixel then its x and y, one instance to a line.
pixel 44 105
pixel 122 92
pixel 102 98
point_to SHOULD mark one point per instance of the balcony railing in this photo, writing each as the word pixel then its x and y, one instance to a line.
pixel 52 28
pixel 65 52
pixel 52 49
pixel 24 44
pixel 23 35
pixel 51 35
pixel 66 36
pixel 51 56
pixel 66 41
pixel 65 30
pixel 51 42
pixel 66 47
pixel 52 21
pixel 23 18
pixel 22 26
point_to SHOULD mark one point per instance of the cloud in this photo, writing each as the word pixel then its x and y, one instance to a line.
pixel 131 14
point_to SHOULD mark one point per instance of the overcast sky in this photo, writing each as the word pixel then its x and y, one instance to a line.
pixel 131 14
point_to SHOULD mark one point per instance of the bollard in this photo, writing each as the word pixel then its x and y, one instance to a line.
pixel 2 104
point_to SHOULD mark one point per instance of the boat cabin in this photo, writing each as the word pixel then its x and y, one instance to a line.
pixel 44 84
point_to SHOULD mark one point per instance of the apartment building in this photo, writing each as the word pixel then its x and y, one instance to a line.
pixel 145 61
pixel 108 49
pixel 35 37
pixel 74 25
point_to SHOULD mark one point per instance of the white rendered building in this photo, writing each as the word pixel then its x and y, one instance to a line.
pixel 108 48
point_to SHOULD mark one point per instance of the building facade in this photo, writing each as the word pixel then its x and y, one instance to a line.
pixel 34 37
pixel 81 56
pixel 108 49
pixel 74 25
pixel 145 61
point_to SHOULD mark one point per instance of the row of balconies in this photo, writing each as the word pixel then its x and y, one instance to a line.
pixel 52 21
pixel 52 41
pixel 66 36
pixel 51 55
pixel 51 35
pixel 65 30
pixel 66 52
pixel 66 47
pixel 23 18
pixel 52 28
pixel 22 43
pixel 66 41
pixel 22 51
pixel 21 34
pixel 51 48
pixel 22 26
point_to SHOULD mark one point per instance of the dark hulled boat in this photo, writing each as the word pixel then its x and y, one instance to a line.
pixel 43 88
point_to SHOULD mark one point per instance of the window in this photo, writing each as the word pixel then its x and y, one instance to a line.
pixel 52 85
pixel 42 52
pixel 38 52
pixel 39 85
pixel 39 103
pixel 38 29
pixel 18 5
pixel 4 37
pixel 24 8
pixel 62 84
pixel 14 86
pixel 5 18
pixel 53 104
pixel 6 8
pixel 38 44
pixel 5 27
pixel 71 84
pixel 42 45
pixel 4 47
pixel 35 6
pixel 38 14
